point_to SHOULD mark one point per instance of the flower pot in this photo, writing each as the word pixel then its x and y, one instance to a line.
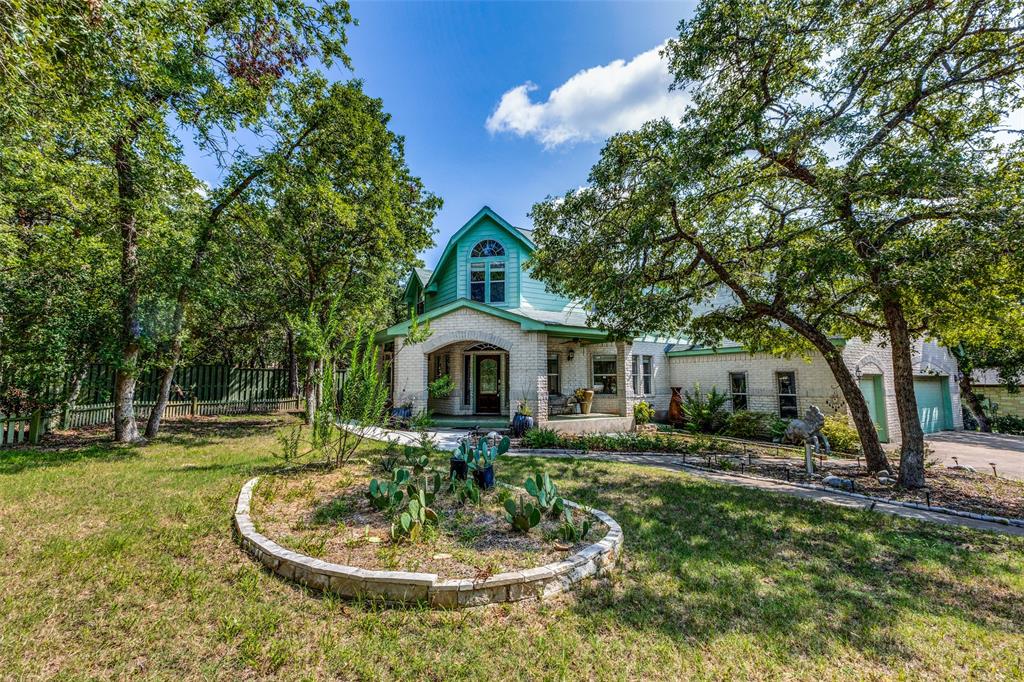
pixel 521 423
pixel 458 468
pixel 588 400
pixel 401 415
pixel 484 477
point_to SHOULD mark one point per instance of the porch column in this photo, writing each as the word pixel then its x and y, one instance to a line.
pixel 540 416
pixel 624 361
pixel 528 363
pixel 410 376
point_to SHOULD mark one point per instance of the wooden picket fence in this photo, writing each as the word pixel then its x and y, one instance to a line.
pixel 91 415
pixel 21 430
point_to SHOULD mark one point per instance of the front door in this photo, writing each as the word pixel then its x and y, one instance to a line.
pixel 488 385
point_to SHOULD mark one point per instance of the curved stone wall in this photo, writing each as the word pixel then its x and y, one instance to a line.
pixel 401 586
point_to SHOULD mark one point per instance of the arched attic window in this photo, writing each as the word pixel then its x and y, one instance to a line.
pixel 487 272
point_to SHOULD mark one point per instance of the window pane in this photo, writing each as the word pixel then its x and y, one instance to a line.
pixel 497 272
pixel 739 401
pixel 648 365
pixel 604 364
pixel 787 383
pixel 476 291
pixel 497 292
pixel 605 384
pixel 636 372
pixel 552 364
pixel 488 376
pixel 487 249
pixel 738 382
pixel 787 407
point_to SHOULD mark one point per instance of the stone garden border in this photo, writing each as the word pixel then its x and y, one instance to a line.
pixel 404 587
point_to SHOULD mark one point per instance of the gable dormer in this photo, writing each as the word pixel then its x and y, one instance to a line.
pixel 482 262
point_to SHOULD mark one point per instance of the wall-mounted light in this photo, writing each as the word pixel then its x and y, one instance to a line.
pixel 856 372
pixel 572 354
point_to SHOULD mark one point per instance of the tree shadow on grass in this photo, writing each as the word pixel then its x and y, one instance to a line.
pixel 703 560
pixel 16 460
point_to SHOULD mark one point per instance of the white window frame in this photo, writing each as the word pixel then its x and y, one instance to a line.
pixel 794 395
pixel 601 357
pixel 557 374
pixel 745 393
pixel 643 377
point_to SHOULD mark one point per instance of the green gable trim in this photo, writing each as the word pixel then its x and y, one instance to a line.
pixel 526 323
pixel 839 341
pixel 485 212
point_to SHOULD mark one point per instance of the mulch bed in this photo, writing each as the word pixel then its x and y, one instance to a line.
pixel 953 488
pixel 327 515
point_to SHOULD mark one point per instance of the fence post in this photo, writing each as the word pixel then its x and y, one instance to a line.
pixel 35 427
pixel 195 406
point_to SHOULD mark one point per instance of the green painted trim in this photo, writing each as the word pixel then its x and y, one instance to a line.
pixel 839 341
pixel 488 212
pixel 706 351
pixel 526 323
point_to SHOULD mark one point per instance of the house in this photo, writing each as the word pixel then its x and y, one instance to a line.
pixel 504 338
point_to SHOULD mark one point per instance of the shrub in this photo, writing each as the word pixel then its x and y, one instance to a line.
pixel 643 412
pixel 1008 423
pixel 441 387
pixel 841 436
pixel 704 412
pixel 423 420
pixel 542 438
pixel 749 425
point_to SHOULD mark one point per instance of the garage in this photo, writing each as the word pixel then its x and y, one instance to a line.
pixel 933 404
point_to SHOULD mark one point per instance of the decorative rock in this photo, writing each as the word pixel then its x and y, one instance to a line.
pixel 886 480
pixel 401 586
pixel 838 482
pixel 964 467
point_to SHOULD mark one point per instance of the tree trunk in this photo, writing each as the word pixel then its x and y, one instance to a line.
pixel 126 429
pixel 310 391
pixel 72 399
pixel 293 366
pixel 872 447
pixel 911 473
pixel 162 397
pixel 974 402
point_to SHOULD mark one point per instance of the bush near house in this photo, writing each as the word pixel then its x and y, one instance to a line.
pixel 841 436
pixel 1008 423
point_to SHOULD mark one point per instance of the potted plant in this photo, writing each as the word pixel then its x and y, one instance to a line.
pixel 481 461
pixel 585 399
pixel 403 413
pixel 522 421
pixel 441 387
pixel 458 464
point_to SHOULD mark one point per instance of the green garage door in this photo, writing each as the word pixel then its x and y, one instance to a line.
pixel 932 401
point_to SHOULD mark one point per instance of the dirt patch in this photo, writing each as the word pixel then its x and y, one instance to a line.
pixel 327 516
pixel 956 489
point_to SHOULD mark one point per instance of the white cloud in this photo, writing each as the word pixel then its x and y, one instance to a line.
pixel 593 104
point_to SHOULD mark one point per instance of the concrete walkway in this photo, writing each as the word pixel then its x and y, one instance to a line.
pixel 675 463
pixel 448 439
pixel 980 450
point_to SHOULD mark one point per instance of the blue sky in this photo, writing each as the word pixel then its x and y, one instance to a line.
pixel 444 69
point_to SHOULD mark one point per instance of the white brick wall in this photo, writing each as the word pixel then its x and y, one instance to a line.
pixel 814 381
pixel 527 353
pixel 930 359
pixel 527 364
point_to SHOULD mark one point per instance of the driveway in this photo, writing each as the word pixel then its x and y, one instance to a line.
pixel 979 449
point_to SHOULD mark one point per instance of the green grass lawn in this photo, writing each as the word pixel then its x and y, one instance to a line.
pixel 119 562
